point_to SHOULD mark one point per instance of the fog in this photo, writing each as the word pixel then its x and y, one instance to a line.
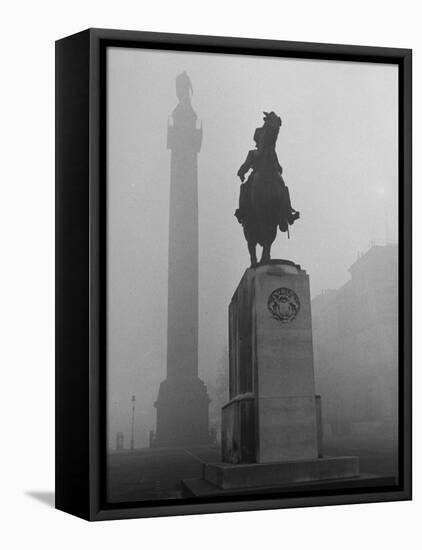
pixel 338 148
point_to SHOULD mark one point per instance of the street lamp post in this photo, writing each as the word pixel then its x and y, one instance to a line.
pixel 132 439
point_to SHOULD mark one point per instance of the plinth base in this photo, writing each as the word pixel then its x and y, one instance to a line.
pixel 230 476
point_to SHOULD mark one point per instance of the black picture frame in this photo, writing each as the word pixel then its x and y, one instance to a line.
pixel 81 272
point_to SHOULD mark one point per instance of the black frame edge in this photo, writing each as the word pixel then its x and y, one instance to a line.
pixel 72 381
pixel 405 176
pixel 257 46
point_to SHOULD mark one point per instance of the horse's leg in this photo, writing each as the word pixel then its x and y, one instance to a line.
pixel 266 252
pixel 252 253
pixel 270 235
pixel 251 245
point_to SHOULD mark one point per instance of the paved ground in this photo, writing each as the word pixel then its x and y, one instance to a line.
pixel 148 474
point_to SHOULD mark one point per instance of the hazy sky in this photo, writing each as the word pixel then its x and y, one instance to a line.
pixel 338 148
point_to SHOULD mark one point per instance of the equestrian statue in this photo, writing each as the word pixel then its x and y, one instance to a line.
pixel 264 202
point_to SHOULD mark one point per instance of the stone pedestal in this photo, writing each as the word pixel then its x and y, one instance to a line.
pixel 272 412
pixel 271 426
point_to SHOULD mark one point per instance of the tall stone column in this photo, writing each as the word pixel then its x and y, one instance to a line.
pixel 182 403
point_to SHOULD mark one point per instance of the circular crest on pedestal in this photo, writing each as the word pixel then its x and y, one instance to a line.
pixel 283 304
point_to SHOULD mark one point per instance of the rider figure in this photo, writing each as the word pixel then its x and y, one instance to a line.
pixel 288 215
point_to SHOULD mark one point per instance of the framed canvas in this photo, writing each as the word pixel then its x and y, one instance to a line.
pixel 233 276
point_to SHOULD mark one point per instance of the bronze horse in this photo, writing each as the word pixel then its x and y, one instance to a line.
pixel 264 203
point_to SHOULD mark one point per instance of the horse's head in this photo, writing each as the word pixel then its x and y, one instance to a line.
pixel 272 124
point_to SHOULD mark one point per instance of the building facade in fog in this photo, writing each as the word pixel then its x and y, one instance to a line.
pixel 355 332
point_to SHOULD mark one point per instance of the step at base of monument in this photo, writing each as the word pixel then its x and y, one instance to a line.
pixel 239 476
pixel 198 487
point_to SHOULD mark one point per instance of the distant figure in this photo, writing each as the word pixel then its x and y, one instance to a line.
pixel 264 202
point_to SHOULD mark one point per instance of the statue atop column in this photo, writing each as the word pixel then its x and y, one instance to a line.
pixel 183 135
pixel 264 203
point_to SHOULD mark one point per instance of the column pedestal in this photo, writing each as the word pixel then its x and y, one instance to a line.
pixel 182 413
